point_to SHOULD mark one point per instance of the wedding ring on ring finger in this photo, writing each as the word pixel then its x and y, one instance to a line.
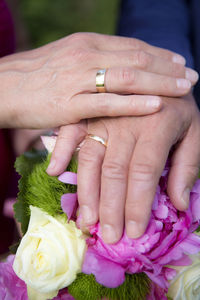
pixel 100 81
pixel 97 139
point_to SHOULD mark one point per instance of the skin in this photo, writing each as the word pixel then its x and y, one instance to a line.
pixel 55 85
pixel 117 184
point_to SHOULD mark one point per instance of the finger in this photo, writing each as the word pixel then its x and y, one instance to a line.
pixel 130 80
pixel 114 185
pixel 113 43
pixel 184 169
pixel 68 138
pixel 147 164
pixel 145 61
pixel 89 174
pixel 85 106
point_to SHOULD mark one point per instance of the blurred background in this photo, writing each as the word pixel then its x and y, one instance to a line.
pixel 38 22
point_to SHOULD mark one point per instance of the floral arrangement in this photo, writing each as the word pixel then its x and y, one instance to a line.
pixel 56 260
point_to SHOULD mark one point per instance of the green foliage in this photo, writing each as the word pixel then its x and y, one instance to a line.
pixel 24 165
pixel 48 20
pixel 37 188
pixel 86 287
pixel 136 286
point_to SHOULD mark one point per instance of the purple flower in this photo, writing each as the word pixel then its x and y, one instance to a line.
pixel 11 286
pixel 167 241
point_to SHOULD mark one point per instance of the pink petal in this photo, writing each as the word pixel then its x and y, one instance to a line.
pixel 196 187
pixel 69 203
pixel 183 261
pixel 8 207
pixel 68 177
pixel 161 212
pixel 195 206
pixel 191 245
pixel 106 272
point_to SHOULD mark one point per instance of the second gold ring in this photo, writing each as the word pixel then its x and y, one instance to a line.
pixel 97 139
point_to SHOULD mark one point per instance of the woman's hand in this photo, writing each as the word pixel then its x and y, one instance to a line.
pixel 55 85
pixel 117 184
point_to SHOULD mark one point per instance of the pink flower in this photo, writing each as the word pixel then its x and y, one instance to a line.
pixel 157 293
pixel 167 241
pixel 69 201
pixel 11 286
pixel 63 295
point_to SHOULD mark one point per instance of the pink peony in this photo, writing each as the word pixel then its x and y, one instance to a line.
pixel 11 286
pixel 157 293
pixel 167 241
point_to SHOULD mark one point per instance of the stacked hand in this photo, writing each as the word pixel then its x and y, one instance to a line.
pixel 117 184
pixel 55 85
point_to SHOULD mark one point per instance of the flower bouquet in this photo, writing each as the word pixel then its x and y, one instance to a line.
pixel 55 259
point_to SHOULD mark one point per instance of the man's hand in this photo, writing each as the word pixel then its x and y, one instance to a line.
pixel 117 184
pixel 55 85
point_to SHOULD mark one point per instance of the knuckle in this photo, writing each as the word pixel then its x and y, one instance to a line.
pixel 142 59
pixel 127 76
pixel 143 172
pixel 135 44
pixel 167 85
pixel 178 70
pixel 76 37
pixel 114 170
pixel 78 54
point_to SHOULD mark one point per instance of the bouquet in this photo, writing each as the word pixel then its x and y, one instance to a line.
pixel 55 259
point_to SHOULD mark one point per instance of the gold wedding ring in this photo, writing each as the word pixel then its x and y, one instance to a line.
pixel 97 139
pixel 100 81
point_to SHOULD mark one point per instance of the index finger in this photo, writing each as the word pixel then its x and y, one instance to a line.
pixel 116 43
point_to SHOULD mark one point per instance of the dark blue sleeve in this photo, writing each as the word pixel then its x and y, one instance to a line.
pixel 163 23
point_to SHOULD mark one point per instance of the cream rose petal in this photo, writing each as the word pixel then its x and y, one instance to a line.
pixel 35 295
pixel 186 285
pixel 50 254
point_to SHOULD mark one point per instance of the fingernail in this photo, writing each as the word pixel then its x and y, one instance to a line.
pixel 109 234
pixel 51 165
pixel 191 75
pixel 179 59
pixel 134 230
pixel 154 101
pixel 87 214
pixel 183 84
pixel 186 197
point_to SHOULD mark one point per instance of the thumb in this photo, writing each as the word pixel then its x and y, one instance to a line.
pixel 69 137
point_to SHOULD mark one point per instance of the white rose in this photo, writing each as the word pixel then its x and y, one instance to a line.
pixel 50 254
pixel 186 284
